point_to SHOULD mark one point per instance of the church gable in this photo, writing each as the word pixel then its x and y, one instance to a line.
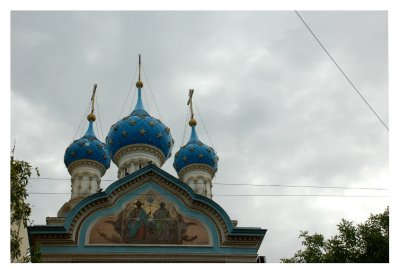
pixel 148 211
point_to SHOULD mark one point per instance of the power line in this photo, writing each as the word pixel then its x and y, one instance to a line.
pixel 98 114
pixel 81 123
pixel 300 195
pixel 185 126
pixel 256 185
pixel 304 186
pixel 146 102
pixel 351 83
pixel 204 125
pixel 129 91
pixel 151 92
pixel 239 195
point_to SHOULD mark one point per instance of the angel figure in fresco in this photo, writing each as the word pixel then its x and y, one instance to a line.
pixel 137 222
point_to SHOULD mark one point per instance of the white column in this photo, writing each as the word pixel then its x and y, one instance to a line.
pixel 200 186
pixel 208 189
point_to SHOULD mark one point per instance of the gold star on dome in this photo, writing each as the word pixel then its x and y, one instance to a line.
pixel 132 123
pixel 200 156
pixel 89 151
pixel 159 135
pixel 73 154
pixel 185 159
pixel 124 133
pixel 191 149
pixel 142 131
pixel 152 124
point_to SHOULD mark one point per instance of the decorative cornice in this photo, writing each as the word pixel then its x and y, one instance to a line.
pixel 70 205
pixel 193 167
pixel 89 163
pixel 155 258
pixel 139 147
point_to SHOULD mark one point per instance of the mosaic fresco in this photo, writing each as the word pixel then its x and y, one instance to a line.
pixel 148 219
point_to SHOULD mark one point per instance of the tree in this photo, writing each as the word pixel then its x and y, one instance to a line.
pixel 364 243
pixel 20 211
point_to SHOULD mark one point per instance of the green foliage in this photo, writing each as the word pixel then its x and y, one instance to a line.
pixel 364 243
pixel 20 173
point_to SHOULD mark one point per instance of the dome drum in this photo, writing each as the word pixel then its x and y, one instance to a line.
pixel 199 178
pixel 143 151
pixel 85 180
pixel 134 157
pixel 86 164
pixel 194 170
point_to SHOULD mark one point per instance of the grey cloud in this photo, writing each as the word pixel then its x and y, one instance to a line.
pixel 277 109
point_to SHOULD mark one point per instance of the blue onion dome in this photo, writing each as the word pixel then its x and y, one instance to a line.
pixel 139 130
pixel 195 152
pixel 88 148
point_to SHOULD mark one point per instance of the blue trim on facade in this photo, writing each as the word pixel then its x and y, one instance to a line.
pixel 238 231
pixel 148 249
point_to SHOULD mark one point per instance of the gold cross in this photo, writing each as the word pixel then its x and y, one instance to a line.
pixel 140 64
pixel 190 102
pixel 92 99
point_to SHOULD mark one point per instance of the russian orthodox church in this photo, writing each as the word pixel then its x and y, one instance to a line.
pixel 147 214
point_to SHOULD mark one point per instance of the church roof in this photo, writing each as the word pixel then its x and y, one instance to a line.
pixel 88 148
pixel 139 128
pixel 195 152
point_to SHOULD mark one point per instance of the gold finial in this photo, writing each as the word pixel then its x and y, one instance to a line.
pixel 91 117
pixel 139 83
pixel 192 121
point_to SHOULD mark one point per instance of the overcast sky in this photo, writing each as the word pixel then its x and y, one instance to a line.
pixel 277 109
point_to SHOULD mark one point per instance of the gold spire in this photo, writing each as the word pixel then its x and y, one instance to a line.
pixel 91 117
pixel 139 83
pixel 192 121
